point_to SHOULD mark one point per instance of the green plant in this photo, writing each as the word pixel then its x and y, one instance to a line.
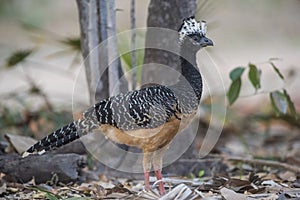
pixel 17 57
pixel 48 194
pixel 201 173
pixel 125 51
pixel 280 99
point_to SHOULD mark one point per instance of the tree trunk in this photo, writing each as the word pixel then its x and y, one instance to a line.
pixel 104 73
pixel 133 44
pixel 97 23
pixel 91 38
pixel 113 54
pixel 166 14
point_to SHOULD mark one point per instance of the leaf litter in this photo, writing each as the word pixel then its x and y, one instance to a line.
pixel 271 171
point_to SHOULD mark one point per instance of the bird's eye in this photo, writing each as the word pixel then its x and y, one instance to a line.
pixel 195 38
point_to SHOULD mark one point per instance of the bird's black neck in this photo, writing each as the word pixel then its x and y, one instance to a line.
pixel 190 76
pixel 188 89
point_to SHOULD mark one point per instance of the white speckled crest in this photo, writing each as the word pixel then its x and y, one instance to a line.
pixel 191 26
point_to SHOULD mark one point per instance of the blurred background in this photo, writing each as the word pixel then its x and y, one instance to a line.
pixel 243 32
pixel 42 80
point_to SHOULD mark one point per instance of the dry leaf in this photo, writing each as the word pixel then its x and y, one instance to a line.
pixel 180 192
pixel 232 195
pixel 240 186
pixel 20 143
pixel 263 197
pixel 287 176
pixel 293 194
pixel 3 188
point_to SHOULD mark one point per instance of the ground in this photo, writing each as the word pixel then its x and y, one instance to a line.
pixel 256 157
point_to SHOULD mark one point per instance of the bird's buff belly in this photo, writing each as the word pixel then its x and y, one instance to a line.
pixel 148 139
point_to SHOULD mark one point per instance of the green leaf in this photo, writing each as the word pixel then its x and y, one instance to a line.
pixel 234 91
pixel 127 59
pixel 275 109
pixel 17 57
pixel 125 50
pixel 73 43
pixel 49 195
pixel 236 73
pixel 290 104
pixel 35 90
pixel 191 175
pixel 254 76
pixel 279 102
pixel 201 173
pixel 277 70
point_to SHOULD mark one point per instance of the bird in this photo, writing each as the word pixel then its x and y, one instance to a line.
pixel 148 118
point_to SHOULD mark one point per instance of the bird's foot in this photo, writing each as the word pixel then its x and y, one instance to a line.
pixel 158 175
pixel 160 184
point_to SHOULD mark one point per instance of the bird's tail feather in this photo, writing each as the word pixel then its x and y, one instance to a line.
pixel 57 138
pixel 91 120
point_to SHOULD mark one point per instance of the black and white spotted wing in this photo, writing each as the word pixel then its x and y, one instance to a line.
pixel 148 107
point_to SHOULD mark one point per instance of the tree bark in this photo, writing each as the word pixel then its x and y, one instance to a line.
pixel 165 14
pixel 65 166
pixel 102 66
pixel 133 44
pixel 115 70
pixel 90 39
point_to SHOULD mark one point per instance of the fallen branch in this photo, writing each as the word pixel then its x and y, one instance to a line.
pixel 65 167
pixel 76 147
pixel 22 143
pixel 270 163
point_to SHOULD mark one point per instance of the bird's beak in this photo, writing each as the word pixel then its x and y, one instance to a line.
pixel 204 42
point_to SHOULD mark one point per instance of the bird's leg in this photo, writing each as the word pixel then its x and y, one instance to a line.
pixel 157 166
pixel 147 168
pixel 147 182
pixel 160 184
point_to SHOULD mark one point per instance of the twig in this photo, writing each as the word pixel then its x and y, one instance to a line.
pixel 176 181
pixel 198 160
pixel 270 163
pixel 133 44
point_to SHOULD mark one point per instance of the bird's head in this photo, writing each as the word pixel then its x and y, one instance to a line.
pixel 192 34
